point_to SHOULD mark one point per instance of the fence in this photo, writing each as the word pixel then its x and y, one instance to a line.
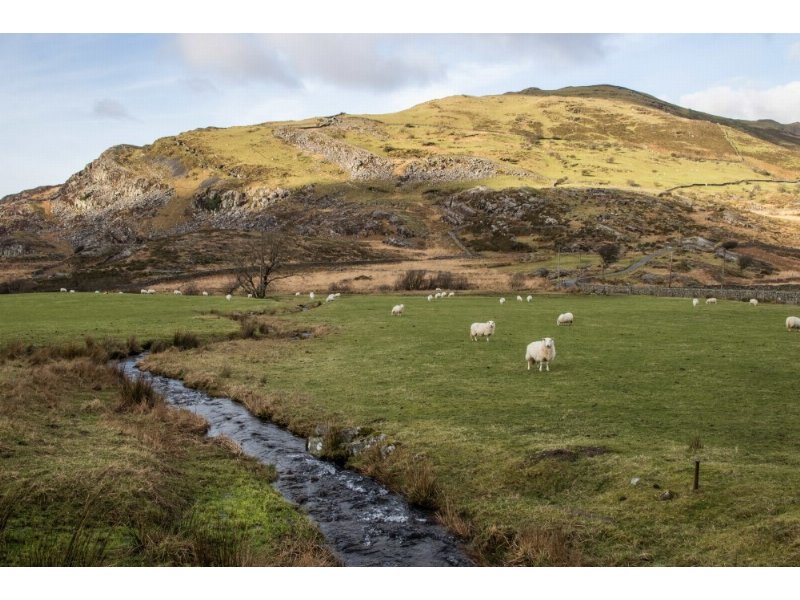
pixel 762 295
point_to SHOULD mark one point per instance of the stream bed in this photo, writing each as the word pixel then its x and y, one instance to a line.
pixel 364 523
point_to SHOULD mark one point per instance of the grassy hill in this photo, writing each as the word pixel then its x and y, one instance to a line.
pixel 381 181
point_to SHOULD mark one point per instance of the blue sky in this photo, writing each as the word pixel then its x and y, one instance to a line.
pixel 66 98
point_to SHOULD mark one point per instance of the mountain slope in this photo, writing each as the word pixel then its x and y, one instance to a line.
pixel 384 181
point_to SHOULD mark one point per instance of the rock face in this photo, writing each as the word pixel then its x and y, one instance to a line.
pixel 363 165
pixel 95 205
pixel 105 186
pixel 359 163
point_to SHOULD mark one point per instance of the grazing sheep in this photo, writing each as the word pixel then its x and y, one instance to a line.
pixel 711 300
pixel 311 295
pixel 228 297
pixel 451 294
pixel 477 330
pixel 72 291
pixel 151 291
pixel 437 295
pixel 502 300
pixel 529 298
pixel 430 297
pixel 177 293
pixel 337 294
pixel 542 353
pixel 398 309
pixel 205 293
pixel 63 290
pixel 142 291
pixel 120 292
pixel 792 323
pixel 519 298
pixel 330 298
pixel 297 293
pixel 97 291
pixel 753 301
pixel 695 302
pixel 565 319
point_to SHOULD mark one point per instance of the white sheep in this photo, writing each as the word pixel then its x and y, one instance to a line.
pixel 177 293
pixel 792 323
pixel 519 298
pixel 398 309
pixel 311 295
pixel 297 293
pixel 430 297
pixel 695 302
pixel 477 330
pixel 542 353
pixel 249 295
pixel 151 291
pixel 529 298
pixel 97 291
pixel 63 290
pixel 330 298
pixel 451 294
pixel 437 295
pixel 337 294
pixel 565 319
pixel 502 300
pixel 711 300
pixel 228 297
pixel 72 291
pixel 753 301
pixel 205 293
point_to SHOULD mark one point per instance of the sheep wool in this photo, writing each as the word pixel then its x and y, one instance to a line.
pixel 477 330
pixel 541 352
pixel 565 319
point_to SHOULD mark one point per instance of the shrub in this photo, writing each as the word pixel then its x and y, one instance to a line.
pixel 248 328
pixel 136 393
pixel 185 340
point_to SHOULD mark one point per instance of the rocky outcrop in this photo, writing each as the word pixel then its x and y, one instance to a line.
pixel 105 185
pixel 104 203
pixel 359 163
pixel 440 168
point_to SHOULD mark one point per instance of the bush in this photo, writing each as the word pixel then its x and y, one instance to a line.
pixel 518 281
pixel 420 279
pixel 185 340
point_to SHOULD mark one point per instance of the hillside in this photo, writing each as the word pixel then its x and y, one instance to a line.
pixel 523 175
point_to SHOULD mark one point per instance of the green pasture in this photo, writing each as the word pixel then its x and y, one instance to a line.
pixel 647 385
pixel 62 317
pixel 536 467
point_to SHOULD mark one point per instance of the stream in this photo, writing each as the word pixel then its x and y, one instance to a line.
pixel 364 523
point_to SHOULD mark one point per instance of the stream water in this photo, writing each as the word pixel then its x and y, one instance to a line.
pixel 364 523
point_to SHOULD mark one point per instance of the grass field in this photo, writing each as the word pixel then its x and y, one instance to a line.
pixel 535 468
pixel 644 385
pixel 57 317
pixel 88 478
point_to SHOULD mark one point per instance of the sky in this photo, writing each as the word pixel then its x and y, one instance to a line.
pixel 64 98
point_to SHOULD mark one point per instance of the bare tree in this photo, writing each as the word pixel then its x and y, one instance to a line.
pixel 261 261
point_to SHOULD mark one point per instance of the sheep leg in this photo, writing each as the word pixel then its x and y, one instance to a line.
pixel 540 367
pixel 528 360
pixel 547 364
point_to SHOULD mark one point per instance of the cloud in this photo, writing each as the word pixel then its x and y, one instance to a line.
pixel 235 57
pixel 111 109
pixel 379 62
pixel 781 103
